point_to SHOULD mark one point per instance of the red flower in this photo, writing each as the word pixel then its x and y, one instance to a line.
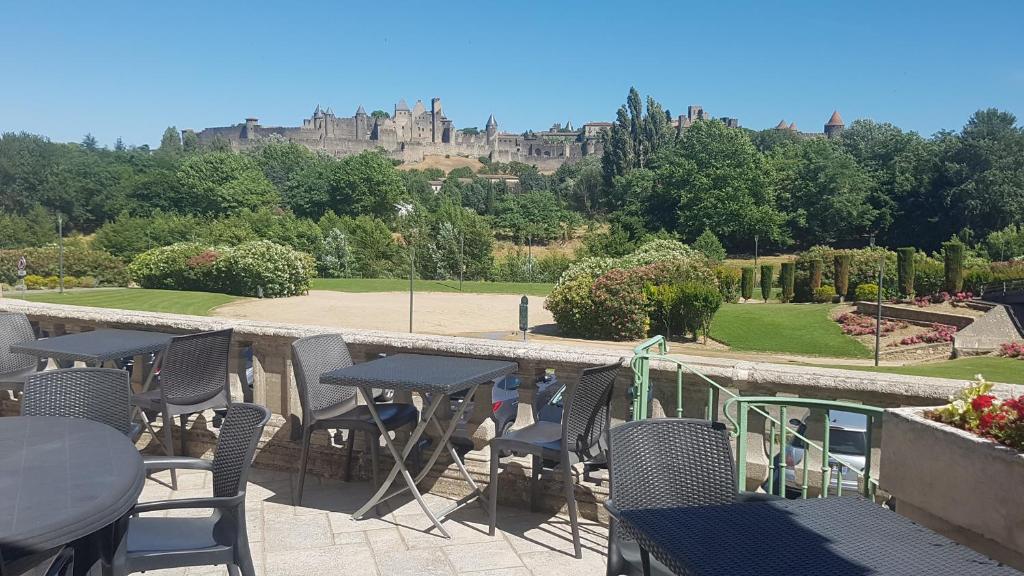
pixel 982 402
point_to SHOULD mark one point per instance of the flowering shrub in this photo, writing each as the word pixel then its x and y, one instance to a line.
pixel 860 325
pixel 1012 350
pixel 976 410
pixel 943 296
pixel 246 269
pixel 619 305
pixel 937 333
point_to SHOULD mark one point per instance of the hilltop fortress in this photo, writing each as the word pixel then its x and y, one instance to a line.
pixel 410 135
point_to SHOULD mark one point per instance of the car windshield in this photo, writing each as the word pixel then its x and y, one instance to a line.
pixel 849 442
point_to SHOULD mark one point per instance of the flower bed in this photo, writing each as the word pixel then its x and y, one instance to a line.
pixel 1012 350
pixel 860 325
pixel 976 410
pixel 937 333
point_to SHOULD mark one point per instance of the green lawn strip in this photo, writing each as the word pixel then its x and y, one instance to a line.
pixel 171 301
pixel 401 285
pixel 804 329
pixel 993 368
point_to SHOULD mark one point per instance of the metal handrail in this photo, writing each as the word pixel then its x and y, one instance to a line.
pixel 641 403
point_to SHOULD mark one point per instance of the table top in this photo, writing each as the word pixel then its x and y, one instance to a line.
pixel 836 536
pixel 61 479
pixel 421 373
pixel 96 346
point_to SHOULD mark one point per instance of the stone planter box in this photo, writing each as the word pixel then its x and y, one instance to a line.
pixel 957 483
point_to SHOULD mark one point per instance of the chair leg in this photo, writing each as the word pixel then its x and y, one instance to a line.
pixel 169 446
pixel 570 499
pixel 492 490
pixel 536 469
pixel 645 561
pixel 373 440
pixel 307 433
pixel 184 438
pixel 616 563
pixel 233 570
pixel 350 442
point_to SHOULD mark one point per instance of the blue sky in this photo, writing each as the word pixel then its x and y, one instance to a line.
pixel 131 69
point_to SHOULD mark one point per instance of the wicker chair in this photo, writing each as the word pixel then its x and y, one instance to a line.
pixel 329 407
pixel 155 543
pixel 100 394
pixel 665 463
pixel 15 368
pixel 585 419
pixel 193 378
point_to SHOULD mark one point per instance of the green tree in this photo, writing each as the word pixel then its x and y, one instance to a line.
pixel 170 142
pixel 89 142
pixel 635 136
pixel 223 182
pixel 280 160
pixel 708 245
pixel 379 115
pixel 189 142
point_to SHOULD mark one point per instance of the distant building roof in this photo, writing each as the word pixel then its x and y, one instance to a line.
pixel 835 120
pixel 792 126
pixel 491 121
pixel 402 105
pixel 781 125
pixel 360 111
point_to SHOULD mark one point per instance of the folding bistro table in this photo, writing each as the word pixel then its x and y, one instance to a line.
pixel 65 482
pixel 436 378
pixel 99 347
pixel 838 536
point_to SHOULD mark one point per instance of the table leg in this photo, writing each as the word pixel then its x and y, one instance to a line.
pixel 399 457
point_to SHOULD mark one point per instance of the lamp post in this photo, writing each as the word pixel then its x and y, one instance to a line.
pixel 60 241
pixel 405 210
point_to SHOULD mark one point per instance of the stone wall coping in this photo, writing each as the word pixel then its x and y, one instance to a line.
pixel 783 376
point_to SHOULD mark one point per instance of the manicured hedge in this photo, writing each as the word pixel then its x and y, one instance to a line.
pixel 79 261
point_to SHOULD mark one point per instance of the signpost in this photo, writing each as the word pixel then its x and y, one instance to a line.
pixel 20 286
pixel 524 316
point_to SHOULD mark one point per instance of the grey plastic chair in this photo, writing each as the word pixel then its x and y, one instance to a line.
pixel 15 368
pixel 665 463
pixel 329 407
pixel 193 378
pixel 585 420
pixel 98 394
pixel 155 543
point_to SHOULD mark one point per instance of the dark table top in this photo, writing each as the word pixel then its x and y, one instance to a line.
pixel 421 373
pixel 844 536
pixel 96 346
pixel 62 479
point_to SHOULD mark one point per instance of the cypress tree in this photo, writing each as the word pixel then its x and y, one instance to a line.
pixel 842 274
pixel 787 277
pixel 747 282
pixel 767 275
pixel 953 260
pixel 905 271
pixel 816 271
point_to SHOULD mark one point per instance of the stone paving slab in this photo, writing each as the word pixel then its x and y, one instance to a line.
pixel 319 536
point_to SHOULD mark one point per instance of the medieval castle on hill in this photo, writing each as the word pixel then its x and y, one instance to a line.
pixel 410 135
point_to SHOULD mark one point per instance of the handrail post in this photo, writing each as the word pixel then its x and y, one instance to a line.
pixel 869 489
pixel 741 448
pixel 782 451
pixel 679 391
pixel 826 467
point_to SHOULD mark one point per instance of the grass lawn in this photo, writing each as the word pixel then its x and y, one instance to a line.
pixel 172 301
pixel 994 369
pixel 804 329
pixel 402 285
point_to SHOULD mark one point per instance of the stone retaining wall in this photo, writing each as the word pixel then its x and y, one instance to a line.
pixel 273 386
pixel 916 315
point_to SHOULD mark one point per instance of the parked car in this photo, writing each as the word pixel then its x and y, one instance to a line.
pixel 847 441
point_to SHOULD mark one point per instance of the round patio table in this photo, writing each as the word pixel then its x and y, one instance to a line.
pixel 64 481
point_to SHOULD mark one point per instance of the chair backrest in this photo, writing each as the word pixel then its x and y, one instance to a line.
pixel 585 415
pixel 312 356
pixel 670 462
pixel 194 368
pixel 99 394
pixel 239 434
pixel 15 329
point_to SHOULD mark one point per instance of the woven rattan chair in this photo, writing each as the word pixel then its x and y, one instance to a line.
pixel 665 463
pixel 585 419
pixel 193 378
pixel 330 407
pixel 15 368
pixel 99 394
pixel 155 543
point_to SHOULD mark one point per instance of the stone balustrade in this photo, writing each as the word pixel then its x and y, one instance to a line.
pixel 273 386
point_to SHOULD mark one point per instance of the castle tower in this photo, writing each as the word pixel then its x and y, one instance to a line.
pixel 403 118
pixel 491 130
pixel 835 126
pixel 250 128
pixel 362 123
pixel 436 129
pixel 782 125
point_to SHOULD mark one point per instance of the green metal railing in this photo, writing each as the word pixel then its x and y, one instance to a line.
pixel 656 349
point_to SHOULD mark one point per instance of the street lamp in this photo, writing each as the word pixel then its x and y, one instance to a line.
pixel 60 239
pixel 405 210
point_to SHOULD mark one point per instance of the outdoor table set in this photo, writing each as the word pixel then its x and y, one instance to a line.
pixel 436 378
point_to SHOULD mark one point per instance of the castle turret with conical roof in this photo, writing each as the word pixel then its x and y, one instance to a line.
pixel 362 124
pixel 782 125
pixel 491 129
pixel 835 125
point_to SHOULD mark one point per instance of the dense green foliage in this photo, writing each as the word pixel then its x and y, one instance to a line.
pixel 698 303
pixel 708 245
pixel 866 293
pixel 79 260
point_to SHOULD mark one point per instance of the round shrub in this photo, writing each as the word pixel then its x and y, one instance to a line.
pixel 70 282
pixel 728 282
pixel 929 276
pixel 698 304
pixel 262 266
pixel 866 292
pixel 88 282
pixel 34 282
pixel 52 282
pixel 172 268
pixel 569 302
pixel 824 294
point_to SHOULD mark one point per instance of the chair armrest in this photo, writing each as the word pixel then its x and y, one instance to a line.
pixel 176 462
pixel 757 497
pixel 212 502
pixel 612 509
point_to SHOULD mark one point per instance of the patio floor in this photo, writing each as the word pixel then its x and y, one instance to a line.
pixel 320 537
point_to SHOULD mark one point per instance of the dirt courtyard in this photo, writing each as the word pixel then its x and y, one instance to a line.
pixel 445 313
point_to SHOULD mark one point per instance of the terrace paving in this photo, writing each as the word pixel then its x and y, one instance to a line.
pixel 320 537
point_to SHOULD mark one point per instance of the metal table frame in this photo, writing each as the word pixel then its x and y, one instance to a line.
pixel 428 417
